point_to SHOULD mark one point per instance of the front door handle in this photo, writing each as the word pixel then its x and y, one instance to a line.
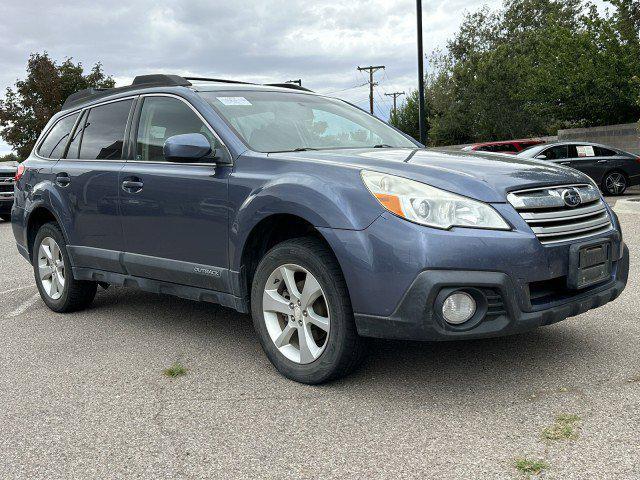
pixel 132 186
pixel 63 179
pixel 565 163
pixel 603 161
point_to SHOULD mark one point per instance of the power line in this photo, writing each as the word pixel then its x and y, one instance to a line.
pixel 371 70
pixel 345 89
pixel 395 96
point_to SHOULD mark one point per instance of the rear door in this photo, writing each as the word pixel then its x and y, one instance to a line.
pixel 86 185
pixel 174 215
pixel 583 158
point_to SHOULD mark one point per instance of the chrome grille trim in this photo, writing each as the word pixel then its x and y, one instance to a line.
pixel 552 221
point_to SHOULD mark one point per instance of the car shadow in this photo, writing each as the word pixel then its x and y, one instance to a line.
pixel 518 365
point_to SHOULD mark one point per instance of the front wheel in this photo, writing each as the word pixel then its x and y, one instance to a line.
pixel 614 183
pixel 302 313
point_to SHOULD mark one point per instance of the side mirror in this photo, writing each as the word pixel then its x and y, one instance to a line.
pixel 541 157
pixel 189 147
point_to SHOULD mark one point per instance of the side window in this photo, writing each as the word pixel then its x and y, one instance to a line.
pixel 585 151
pixel 74 146
pixel 103 133
pixel 56 140
pixel 164 117
pixel 555 153
pixel 604 152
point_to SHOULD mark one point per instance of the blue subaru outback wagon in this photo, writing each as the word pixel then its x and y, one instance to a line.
pixel 325 223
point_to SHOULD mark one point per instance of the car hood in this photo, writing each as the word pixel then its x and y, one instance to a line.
pixel 486 177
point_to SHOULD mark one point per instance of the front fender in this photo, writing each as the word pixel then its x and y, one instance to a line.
pixel 340 202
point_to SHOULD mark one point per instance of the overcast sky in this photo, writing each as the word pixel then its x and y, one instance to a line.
pixel 321 42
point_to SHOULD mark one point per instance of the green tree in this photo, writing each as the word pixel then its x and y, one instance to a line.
pixel 535 66
pixel 406 117
pixel 9 157
pixel 26 109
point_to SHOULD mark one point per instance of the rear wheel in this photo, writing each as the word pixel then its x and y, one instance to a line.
pixel 614 183
pixel 302 313
pixel 54 278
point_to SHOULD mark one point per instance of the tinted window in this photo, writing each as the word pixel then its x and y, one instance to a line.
pixel 74 146
pixel 103 134
pixel 502 147
pixel 604 152
pixel 161 118
pixel 555 153
pixel 55 141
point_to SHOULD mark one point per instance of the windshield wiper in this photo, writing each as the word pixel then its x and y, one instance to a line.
pixel 383 145
pixel 303 149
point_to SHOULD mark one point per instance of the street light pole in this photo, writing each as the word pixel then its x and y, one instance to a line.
pixel 421 109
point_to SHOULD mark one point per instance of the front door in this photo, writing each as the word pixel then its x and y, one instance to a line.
pixel 174 215
pixel 87 187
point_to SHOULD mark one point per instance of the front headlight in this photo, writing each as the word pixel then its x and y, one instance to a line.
pixel 430 206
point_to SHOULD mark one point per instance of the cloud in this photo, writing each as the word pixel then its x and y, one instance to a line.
pixel 321 42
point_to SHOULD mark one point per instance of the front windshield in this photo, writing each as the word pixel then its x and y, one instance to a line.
pixel 282 121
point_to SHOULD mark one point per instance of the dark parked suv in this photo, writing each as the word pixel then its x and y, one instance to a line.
pixel 322 221
pixel 7 174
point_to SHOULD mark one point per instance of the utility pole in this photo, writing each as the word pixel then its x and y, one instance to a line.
pixel 297 82
pixel 372 84
pixel 395 95
pixel 421 109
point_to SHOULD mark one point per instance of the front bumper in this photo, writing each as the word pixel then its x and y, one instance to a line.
pixel 6 202
pixel 395 270
pixel 416 319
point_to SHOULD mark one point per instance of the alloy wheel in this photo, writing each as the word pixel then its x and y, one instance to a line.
pixel 51 268
pixel 615 183
pixel 296 313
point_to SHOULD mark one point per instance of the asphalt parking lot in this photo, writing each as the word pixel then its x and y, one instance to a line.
pixel 84 395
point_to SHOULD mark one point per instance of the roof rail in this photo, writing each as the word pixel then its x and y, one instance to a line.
pixel 161 80
pixel 155 80
pixel 221 80
pixel 292 86
pixel 158 80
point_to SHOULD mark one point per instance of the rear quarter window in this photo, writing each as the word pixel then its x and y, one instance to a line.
pixel 55 142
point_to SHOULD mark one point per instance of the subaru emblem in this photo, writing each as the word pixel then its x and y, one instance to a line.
pixel 571 197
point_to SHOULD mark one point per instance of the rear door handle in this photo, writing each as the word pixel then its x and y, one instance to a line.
pixel 603 161
pixel 132 186
pixel 63 179
pixel 565 163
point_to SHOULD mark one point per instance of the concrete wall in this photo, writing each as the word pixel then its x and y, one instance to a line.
pixel 625 136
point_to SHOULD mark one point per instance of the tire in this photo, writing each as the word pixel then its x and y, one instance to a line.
pixel 342 349
pixel 6 217
pixel 70 295
pixel 614 183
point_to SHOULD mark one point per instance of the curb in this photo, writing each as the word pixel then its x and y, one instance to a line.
pixel 630 205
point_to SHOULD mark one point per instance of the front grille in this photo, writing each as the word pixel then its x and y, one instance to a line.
pixel 547 212
pixel 6 184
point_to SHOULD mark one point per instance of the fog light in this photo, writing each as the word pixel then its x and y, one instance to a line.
pixel 458 308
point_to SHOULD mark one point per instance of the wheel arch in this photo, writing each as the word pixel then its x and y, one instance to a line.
pixel 38 216
pixel 266 234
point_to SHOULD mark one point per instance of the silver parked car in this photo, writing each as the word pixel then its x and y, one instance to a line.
pixel 612 169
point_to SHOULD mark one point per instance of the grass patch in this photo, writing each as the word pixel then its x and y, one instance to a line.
pixel 175 370
pixel 530 467
pixel 564 428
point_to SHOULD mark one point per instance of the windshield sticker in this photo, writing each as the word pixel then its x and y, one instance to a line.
pixel 157 132
pixel 234 101
pixel 585 151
